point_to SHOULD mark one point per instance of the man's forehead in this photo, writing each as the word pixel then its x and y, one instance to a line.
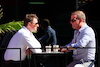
pixel 35 20
pixel 73 16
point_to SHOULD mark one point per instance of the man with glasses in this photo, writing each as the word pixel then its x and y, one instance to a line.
pixel 83 43
pixel 23 39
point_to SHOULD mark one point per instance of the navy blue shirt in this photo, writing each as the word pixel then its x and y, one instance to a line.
pixel 49 37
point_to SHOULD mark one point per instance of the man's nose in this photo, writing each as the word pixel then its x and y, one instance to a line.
pixel 37 25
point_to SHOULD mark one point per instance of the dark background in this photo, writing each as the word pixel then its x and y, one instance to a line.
pixel 58 12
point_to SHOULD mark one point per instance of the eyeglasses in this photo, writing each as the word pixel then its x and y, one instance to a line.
pixel 73 20
pixel 35 23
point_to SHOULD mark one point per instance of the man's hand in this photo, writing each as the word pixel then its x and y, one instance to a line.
pixel 64 50
pixel 70 48
pixel 27 52
pixel 43 50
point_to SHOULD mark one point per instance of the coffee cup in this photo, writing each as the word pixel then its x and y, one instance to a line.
pixel 55 48
pixel 48 49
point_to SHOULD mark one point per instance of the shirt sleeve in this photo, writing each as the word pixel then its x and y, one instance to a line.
pixel 33 43
pixel 68 44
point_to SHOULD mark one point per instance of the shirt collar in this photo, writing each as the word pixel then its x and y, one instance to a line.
pixel 26 29
pixel 83 27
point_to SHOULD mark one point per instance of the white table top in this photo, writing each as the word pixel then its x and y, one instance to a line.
pixel 52 52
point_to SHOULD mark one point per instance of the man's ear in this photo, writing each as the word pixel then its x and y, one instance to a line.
pixel 81 20
pixel 28 23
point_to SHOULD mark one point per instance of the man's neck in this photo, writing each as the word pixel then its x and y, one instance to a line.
pixel 81 25
pixel 28 28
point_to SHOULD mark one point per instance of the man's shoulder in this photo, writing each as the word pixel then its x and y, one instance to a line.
pixel 22 31
pixel 88 31
pixel 52 30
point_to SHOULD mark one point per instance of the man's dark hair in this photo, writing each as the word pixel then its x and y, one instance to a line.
pixel 29 18
pixel 46 22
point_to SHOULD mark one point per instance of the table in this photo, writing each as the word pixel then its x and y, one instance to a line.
pixel 52 52
pixel 52 59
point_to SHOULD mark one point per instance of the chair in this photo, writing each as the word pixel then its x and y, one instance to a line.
pixel 7 38
pixel 92 63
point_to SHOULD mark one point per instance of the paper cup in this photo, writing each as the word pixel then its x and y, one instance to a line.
pixel 55 48
pixel 48 49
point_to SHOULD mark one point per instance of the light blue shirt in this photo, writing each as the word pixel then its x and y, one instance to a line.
pixel 84 37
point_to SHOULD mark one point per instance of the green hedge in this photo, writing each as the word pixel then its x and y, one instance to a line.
pixel 16 25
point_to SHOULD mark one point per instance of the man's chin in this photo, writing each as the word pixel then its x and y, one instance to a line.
pixel 34 32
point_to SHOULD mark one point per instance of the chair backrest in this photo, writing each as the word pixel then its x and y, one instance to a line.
pixel 7 38
pixel 91 65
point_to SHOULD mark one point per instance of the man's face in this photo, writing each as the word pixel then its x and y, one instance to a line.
pixel 74 21
pixel 43 26
pixel 34 25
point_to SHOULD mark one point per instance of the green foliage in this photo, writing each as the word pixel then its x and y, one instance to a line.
pixel 16 25
pixel 1 12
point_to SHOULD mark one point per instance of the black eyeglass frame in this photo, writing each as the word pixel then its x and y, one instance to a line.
pixel 73 20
